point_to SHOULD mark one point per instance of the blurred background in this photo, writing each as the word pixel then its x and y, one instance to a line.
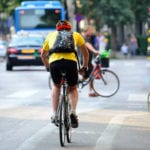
pixel 120 122
pixel 114 19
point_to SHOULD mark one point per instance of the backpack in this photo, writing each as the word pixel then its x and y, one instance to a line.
pixel 64 43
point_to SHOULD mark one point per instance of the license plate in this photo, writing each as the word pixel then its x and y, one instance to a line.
pixel 28 51
pixel 25 57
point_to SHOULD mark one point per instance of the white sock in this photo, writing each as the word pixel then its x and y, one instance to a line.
pixel 73 111
pixel 54 114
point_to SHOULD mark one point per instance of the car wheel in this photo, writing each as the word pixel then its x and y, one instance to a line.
pixel 9 67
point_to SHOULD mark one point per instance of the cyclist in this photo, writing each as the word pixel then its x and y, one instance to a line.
pixel 64 61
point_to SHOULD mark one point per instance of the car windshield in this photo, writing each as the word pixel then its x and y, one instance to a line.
pixel 27 41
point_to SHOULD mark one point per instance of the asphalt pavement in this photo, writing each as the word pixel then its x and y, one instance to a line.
pixel 120 122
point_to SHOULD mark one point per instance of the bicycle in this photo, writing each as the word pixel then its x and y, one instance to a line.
pixel 105 82
pixel 64 108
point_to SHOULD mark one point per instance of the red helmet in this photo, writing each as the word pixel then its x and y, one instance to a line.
pixel 63 25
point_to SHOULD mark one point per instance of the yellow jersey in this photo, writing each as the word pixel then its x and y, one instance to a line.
pixel 49 42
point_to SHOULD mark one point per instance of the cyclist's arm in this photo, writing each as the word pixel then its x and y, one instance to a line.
pixel 91 48
pixel 85 55
pixel 45 58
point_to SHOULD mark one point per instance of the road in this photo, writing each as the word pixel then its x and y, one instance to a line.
pixel 121 122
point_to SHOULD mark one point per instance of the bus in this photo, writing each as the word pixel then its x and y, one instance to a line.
pixel 38 16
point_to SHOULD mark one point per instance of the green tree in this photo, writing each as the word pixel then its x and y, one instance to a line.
pixel 7 6
pixel 111 12
pixel 116 13
pixel 139 9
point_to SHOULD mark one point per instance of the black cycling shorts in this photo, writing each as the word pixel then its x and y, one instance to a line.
pixel 68 66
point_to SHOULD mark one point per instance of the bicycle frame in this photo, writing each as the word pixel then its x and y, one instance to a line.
pixel 63 113
pixel 64 85
pixel 95 70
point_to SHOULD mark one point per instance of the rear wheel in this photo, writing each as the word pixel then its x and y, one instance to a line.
pixel 68 123
pixel 106 83
pixel 62 129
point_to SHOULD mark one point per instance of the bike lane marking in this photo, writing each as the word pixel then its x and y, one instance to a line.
pixel 141 97
pixel 32 142
pixel 23 94
pixel 106 139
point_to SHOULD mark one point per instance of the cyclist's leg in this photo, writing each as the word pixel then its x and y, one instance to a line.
pixel 73 96
pixel 91 89
pixel 72 78
pixel 55 92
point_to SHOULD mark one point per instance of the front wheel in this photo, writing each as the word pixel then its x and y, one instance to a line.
pixel 106 83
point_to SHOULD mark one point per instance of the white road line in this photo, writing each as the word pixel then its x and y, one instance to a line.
pixel 148 64
pixel 6 106
pixel 129 63
pixel 106 139
pixel 33 141
pixel 23 93
pixel 138 97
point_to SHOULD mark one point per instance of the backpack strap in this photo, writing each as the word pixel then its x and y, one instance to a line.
pixel 77 60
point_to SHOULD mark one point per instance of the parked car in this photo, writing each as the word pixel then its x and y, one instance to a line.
pixel 23 51
pixel 3 48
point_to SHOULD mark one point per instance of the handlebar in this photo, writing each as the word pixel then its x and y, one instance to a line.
pixel 104 54
pixel 97 59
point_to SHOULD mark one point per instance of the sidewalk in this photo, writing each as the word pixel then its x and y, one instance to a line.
pixel 119 55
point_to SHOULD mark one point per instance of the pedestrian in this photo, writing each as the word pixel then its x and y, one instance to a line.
pixel 133 45
pixel 102 41
pixel 124 50
pixel 63 58
pixel 88 36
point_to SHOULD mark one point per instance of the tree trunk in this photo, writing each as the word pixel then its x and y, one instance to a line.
pixel 114 41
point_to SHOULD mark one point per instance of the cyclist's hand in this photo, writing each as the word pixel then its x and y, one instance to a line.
pixel 83 70
pixel 97 53
pixel 47 69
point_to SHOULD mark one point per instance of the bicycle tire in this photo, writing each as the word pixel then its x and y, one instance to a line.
pixel 68 123
pixel 106 83
pixel 62 129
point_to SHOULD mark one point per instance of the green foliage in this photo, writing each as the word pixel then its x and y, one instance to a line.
pixel 111 12
pixel 115 12
pixel 142 44
pixel 7 6
pixel 139 7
